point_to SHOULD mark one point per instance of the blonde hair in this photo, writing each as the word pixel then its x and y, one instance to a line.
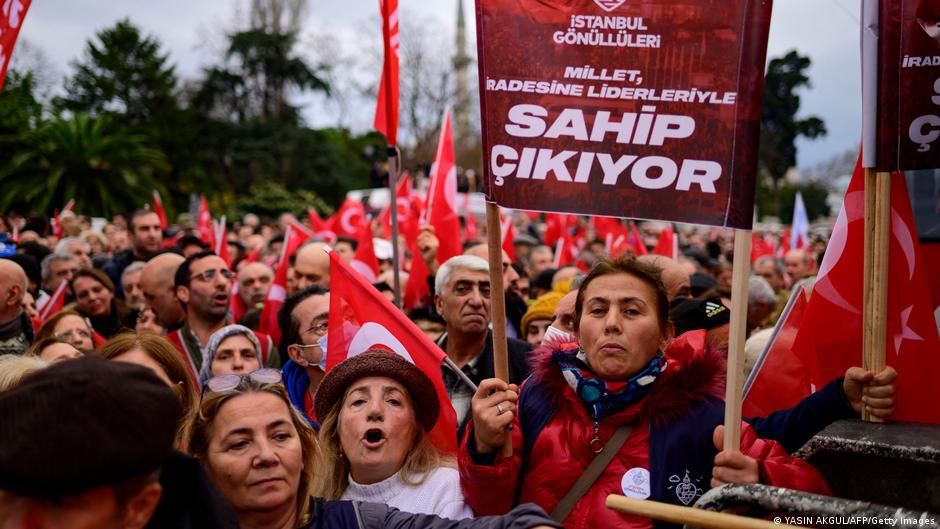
pixel 14 368
pixel 197 433
pixel 163 353
pixel 333 478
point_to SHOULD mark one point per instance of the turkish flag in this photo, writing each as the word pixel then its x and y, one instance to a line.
pixel 348 219
pixel 800 224
pixel 159 209
pixel 317 224
pixel 508 233
pixel 407 216
pixel 441 209
pixel 782 378
pixel 831 331
pixel 759 247
pixel 56 225
pixel 417 290
pixel 639 247
pixel 54 303
pixel 236 304
pixel 470 230
pixel 362 319
pixel 204 223
pixel 566 252
pixel 365 250
pixel 11 19
pixel 556 224
pixel 221 241
pixel 386 108
pixel 293 240
pixel 667 244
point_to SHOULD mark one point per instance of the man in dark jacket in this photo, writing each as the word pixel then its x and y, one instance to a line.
pixel 462 298
pixel 146 240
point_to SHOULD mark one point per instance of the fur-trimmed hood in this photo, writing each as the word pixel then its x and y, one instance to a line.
pixel 694 373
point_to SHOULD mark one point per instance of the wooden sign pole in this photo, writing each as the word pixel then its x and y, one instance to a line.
pixel 877 228
pixel 688 515
pixel 741 271
pixel 498 302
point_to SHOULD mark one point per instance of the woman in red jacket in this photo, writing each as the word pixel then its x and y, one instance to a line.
pixel 615 377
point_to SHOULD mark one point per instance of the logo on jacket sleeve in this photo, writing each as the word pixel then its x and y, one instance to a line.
pixel 686 489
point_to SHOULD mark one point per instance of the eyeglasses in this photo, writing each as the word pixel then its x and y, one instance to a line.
pixel 209 275
pixel 321 328
pixel 223 383
pixel 80 334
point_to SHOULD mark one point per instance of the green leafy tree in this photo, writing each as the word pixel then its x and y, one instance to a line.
pixel 20 110
pixel 122 73
pixel 814 198
pixel 780 126
pixel 269 199
pixel 261 67
pixel 105 170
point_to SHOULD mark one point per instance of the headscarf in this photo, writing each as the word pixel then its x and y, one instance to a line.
pixel 205 372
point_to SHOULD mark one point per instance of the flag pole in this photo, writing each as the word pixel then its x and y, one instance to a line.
pixel 875 304
pixel 877 204
pixel 738 334
pixel 498 302
pixel 393 159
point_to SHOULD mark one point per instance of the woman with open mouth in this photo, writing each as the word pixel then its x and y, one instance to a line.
pixel 377 409
pixel 262 456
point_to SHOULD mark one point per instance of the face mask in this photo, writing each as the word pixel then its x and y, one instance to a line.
pixel 556 335
pixel 322 364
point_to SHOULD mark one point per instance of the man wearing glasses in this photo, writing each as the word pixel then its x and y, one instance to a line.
pixel 303 320
pixel 203 285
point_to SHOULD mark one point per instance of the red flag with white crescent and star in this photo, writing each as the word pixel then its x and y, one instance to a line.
pixel 441 207
pixel 386 108
pixel 830 334
pixel 348 220
pixel 361 319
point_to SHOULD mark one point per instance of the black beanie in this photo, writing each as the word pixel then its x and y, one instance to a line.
pixel 84 423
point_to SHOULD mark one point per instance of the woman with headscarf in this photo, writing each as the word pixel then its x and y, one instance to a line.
pixel 231 349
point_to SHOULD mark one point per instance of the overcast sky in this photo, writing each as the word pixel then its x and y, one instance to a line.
pixel 825 30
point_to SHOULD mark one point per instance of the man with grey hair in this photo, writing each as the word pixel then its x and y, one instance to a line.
pixel 761 302
pixel 56 268
pixel 130 282
pixel 462 298
pixel 77 248
pixel 772 270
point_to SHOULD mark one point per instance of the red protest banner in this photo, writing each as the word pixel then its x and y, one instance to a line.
pixel 12 13
pixel 902 123
pixel 647 109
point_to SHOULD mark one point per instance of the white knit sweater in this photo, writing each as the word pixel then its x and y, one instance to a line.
pixel 439 494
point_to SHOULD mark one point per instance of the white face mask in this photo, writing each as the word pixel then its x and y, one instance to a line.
pixel 322 364
pixel 555 335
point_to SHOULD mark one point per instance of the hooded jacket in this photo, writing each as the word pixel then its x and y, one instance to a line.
pixel 668 456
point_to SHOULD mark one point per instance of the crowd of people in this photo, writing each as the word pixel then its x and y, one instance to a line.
pixel 137 390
